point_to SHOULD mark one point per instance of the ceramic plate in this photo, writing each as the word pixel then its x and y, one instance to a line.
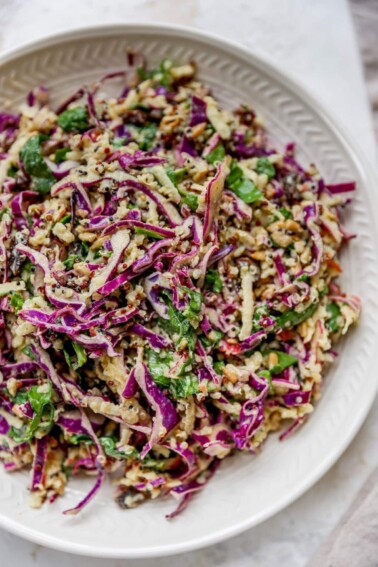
pixel 247 489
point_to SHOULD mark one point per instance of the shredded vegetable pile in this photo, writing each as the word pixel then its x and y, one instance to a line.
pixel 168 292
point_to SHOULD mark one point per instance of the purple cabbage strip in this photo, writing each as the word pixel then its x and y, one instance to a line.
pixel 166 417
pixel 197 111
pixel 154 340
pixel 39 463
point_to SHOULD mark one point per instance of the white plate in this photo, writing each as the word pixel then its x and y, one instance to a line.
pixel 247 489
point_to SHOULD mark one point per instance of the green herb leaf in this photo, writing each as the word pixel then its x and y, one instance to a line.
pixel 39 398
pixel 29 352
pixel 284 361
pixel 216 155
pixel 16 301
pixel 191 201
pixel 75 355
pixel 293 318
pixel 286 213
pixel 264 166
pixel 177 175
pixel 266 374
pixel 334 312
pixel 146 136
pixel 12 171
pixel 66 219
pixel 35 165
pixel 61 154
pixel 119 142
pixel 70 261
pixel 149 233
pixel 4 211
pixel 243 187
pixel 213 280
pixel 179 328
pixel 79 439
pixel 109 446
pixel 74 119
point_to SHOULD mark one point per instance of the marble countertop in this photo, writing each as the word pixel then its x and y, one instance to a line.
pixel 317 46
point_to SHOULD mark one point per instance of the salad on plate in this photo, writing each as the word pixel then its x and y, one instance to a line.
pixel 168 290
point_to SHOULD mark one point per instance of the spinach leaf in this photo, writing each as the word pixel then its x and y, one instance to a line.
pixel 292 318
pixel 180 387
pixel 146 136
pixel 243 187
pixel 264 166
pixel 61 154
pixel 29 352
pixel 16 301
pixel 213 280
pixel 40 401
pixel 193 308
pixel 179 328
pixel 35 165
pixel 177 175
pixel 77 358
pixel 70 261
pixel 79 438
pixel 266 374
pixel 74 119
pixel 286 213
pixel 334 313
pixel 109 446
pixel 149 233
pixel 284 361
pixel 216 155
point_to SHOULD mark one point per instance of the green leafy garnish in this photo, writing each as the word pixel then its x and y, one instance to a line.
pixel 74 119
pixel 264 166
pixel 77 358
pixel 70 261
pixel 259 313
pixel 84 249
pixel 179 328
pixel 61 154
pixel 213 339
pixel 303 278
pixel 16 301
pixel 109 446
pixel 286 213
pixel 159 365
pixel 119 142
pixel 177 175
pixel 66 219
pixel 213 280
pixel 4 211
pixel 243 187
pixel 35 165
pixel 146 136
pixel 29 352
pixel 293 318
pixel 284 361
pixel 216 155
pixel 80 438
pixel 149 233
pixel 218 365
pixel 195 300
pixel 334 313
pixel 266 374
pixel 191 201
pixel 12 171
pixel 26 273
pixel 39 398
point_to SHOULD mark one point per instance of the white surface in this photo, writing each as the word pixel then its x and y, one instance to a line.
pixel 291 536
